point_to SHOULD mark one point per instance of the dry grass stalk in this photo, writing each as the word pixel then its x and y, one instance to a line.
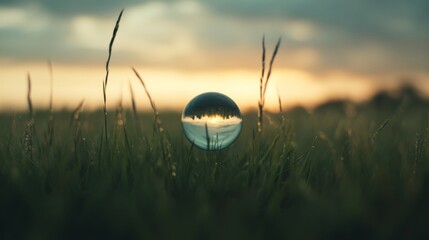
pixel 280 102
pixel 119 123
pixel 106 78
pixel 29 127
pixel 382 126
pixel 120 116
pixel 51 83
pixel 112 40
pixel 50 134
pixel 164 142
pixel 263 83
pixel 133 100
pixel 152 103
pixel 285 130
pixel 28 139
pixel 75 117
pixel 30 103
pixel 282 116
pixel 134 107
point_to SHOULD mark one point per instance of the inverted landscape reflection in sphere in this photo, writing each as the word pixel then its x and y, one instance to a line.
pixel 211 121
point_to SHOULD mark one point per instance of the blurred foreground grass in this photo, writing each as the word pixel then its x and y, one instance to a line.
pixel 341 172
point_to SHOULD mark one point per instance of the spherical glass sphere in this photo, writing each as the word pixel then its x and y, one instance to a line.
pixel 211 121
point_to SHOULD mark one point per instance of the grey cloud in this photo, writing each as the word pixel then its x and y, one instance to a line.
pixel 366 37
pixel 396 28
pixel 67 8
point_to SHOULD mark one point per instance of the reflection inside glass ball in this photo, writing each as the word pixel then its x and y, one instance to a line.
pixel 211 121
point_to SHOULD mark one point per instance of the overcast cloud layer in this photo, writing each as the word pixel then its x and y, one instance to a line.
pixel 361 37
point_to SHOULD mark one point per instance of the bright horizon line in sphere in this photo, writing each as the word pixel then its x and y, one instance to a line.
pixel 215 119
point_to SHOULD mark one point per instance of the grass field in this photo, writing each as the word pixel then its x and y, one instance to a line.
pixel 341 172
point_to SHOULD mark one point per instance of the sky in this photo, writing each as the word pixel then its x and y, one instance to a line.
pixel 331 49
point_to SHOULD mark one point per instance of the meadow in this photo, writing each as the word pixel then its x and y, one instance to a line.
pixel 342 171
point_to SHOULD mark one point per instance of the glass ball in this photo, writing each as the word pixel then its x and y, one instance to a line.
pixel 211 121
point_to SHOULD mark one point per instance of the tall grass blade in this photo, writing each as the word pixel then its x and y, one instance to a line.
pixel 382 126
pixel 264 83
pixel 106 78
pixel 134 107
pixel 29 102
pixel 164 142
pixel 152 103
pixel 261 88
pixel 112 40
pixel 75 116
pixel 307 157
pixel 270 148
pixel 133 100
pixel 50 134
pixel 273 57
pixel 51 85
pixel 29 127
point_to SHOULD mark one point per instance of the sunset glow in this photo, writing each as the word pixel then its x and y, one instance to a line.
pixel 179 57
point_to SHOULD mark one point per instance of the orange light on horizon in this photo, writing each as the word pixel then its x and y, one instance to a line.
pixel 171 89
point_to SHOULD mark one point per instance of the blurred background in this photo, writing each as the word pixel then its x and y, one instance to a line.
pixel 331 50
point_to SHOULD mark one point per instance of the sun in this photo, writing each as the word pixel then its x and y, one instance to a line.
pixel 215 119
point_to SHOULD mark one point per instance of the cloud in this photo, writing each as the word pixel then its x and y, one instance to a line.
pixel 390 33
pixel 77 7
pixel 362 37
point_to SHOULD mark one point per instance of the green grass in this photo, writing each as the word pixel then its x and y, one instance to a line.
pixel 341 172
pixel 331 174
